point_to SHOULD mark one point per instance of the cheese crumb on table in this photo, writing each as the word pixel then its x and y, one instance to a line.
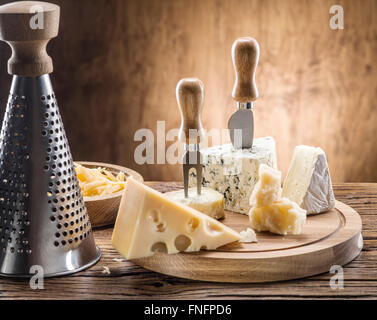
pixel 106 270
pixel 248 236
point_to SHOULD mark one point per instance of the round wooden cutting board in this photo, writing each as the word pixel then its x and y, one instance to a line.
pixel 328 239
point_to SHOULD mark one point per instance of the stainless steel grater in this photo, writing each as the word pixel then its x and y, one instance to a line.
pixel 43 219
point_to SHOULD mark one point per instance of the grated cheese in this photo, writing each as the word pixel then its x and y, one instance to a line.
pixel 99 181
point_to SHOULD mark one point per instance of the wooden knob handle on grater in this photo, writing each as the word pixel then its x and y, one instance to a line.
pixel 190 97
pixel 27 26
pixel 245 55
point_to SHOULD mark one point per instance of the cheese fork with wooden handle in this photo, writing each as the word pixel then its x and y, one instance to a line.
pixel 190 96
pixel 245 55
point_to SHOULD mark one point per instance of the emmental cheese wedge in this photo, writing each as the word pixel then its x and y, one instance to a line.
pixel 308 181
pixel 271 213
pixel 149 222
pixel 209 202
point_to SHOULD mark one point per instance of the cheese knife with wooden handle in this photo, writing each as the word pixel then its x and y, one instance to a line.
pixel 190 96
pixel 245 55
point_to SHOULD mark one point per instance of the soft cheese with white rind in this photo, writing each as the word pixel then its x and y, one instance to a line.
pixel 234 172
pixel 149 222
pixel 209 202
pixel 308 182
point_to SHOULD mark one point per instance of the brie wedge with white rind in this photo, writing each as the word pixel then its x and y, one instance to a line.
pixel 308 182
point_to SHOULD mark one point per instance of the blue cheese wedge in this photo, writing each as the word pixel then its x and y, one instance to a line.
pixel 234 173
pixel 308 182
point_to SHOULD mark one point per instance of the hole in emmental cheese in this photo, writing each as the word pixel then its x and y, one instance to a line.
pixel 192 225
pixel 159 247
pixel 182 242
pixel 154 215
pixel 160 227
pixel 212 228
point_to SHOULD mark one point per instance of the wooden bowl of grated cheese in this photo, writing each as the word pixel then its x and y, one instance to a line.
pixel 102 187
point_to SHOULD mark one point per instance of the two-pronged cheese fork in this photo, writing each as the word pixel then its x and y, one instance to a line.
pixel 190 96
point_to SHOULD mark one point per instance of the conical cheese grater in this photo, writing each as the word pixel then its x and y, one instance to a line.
pixel 43 219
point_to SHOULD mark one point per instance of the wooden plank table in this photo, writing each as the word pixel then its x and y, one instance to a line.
pixel 128 281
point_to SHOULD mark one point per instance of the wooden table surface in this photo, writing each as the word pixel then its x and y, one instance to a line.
pixel 128 281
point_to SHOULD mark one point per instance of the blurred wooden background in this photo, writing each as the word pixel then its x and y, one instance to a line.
pixel 117 63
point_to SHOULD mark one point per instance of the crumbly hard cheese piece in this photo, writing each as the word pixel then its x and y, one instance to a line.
pixel 149 222
pixel 308 182
pixel 268 187
pixel 234 173
pixel 248 236
pixel 270 212
pixel 209 202
pixel 281 217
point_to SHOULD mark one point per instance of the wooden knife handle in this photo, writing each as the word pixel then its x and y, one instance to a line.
pixel 245 55
pixel 190 97
pixel 27 26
